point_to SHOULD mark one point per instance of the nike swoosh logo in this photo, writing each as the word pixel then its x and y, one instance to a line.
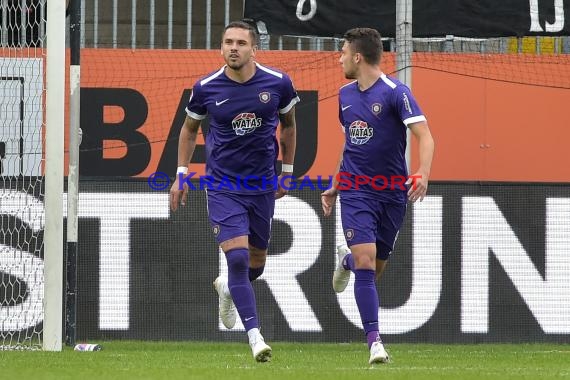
pixel 222 102
pixel 346 107
pixel 247 319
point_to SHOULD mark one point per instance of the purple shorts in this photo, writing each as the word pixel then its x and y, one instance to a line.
pixel 232 215
pixel 372 221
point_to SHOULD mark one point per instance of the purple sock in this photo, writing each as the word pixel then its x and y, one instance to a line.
pixel 348 262
pixel 373 336
pixel 254 273
pixel 367 300
pixel 240 287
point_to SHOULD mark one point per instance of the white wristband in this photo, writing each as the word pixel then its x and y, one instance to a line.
pixel 181 170
pixel 287 168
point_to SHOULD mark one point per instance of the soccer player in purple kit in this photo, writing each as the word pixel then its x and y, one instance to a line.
pixel 374 111
pixel 245 102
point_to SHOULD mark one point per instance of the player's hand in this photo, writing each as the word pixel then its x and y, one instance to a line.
pixel 328 200
pixel 177 195
pixel 285 180
pixel 417 185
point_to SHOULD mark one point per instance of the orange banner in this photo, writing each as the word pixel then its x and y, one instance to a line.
pixel 486 125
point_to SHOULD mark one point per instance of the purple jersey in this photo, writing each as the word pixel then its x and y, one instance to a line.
pixel 241 146
pixel 374 122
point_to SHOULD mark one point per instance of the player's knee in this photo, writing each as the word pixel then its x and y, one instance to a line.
pixel 363 262
pixel 257 256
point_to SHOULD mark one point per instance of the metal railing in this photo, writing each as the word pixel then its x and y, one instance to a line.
pixel 198 24
pixel 165 24
pixel 186 24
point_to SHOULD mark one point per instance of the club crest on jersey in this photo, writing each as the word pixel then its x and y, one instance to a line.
pixel 349 234
pixel 360 132
pixel 264 96
pixel 216 230
pixel 245 123
pixel 376 108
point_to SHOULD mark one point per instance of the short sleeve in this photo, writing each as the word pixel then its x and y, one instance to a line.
pixel 406 106
pixel 195 108
pixel 289 95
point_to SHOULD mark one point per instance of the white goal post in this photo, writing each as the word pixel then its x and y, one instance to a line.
pixel 53 235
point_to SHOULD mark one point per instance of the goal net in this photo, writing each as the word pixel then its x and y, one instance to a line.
pixel 22 99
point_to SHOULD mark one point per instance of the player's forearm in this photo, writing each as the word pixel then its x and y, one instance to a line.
pixel 186 146
pixel 426 148
pixel 288 142
pixel 337 170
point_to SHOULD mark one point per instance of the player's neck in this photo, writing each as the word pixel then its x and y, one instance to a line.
pixel 367 77
pixel 245 73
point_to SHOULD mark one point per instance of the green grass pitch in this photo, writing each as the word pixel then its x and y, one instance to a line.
pixel 126 360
